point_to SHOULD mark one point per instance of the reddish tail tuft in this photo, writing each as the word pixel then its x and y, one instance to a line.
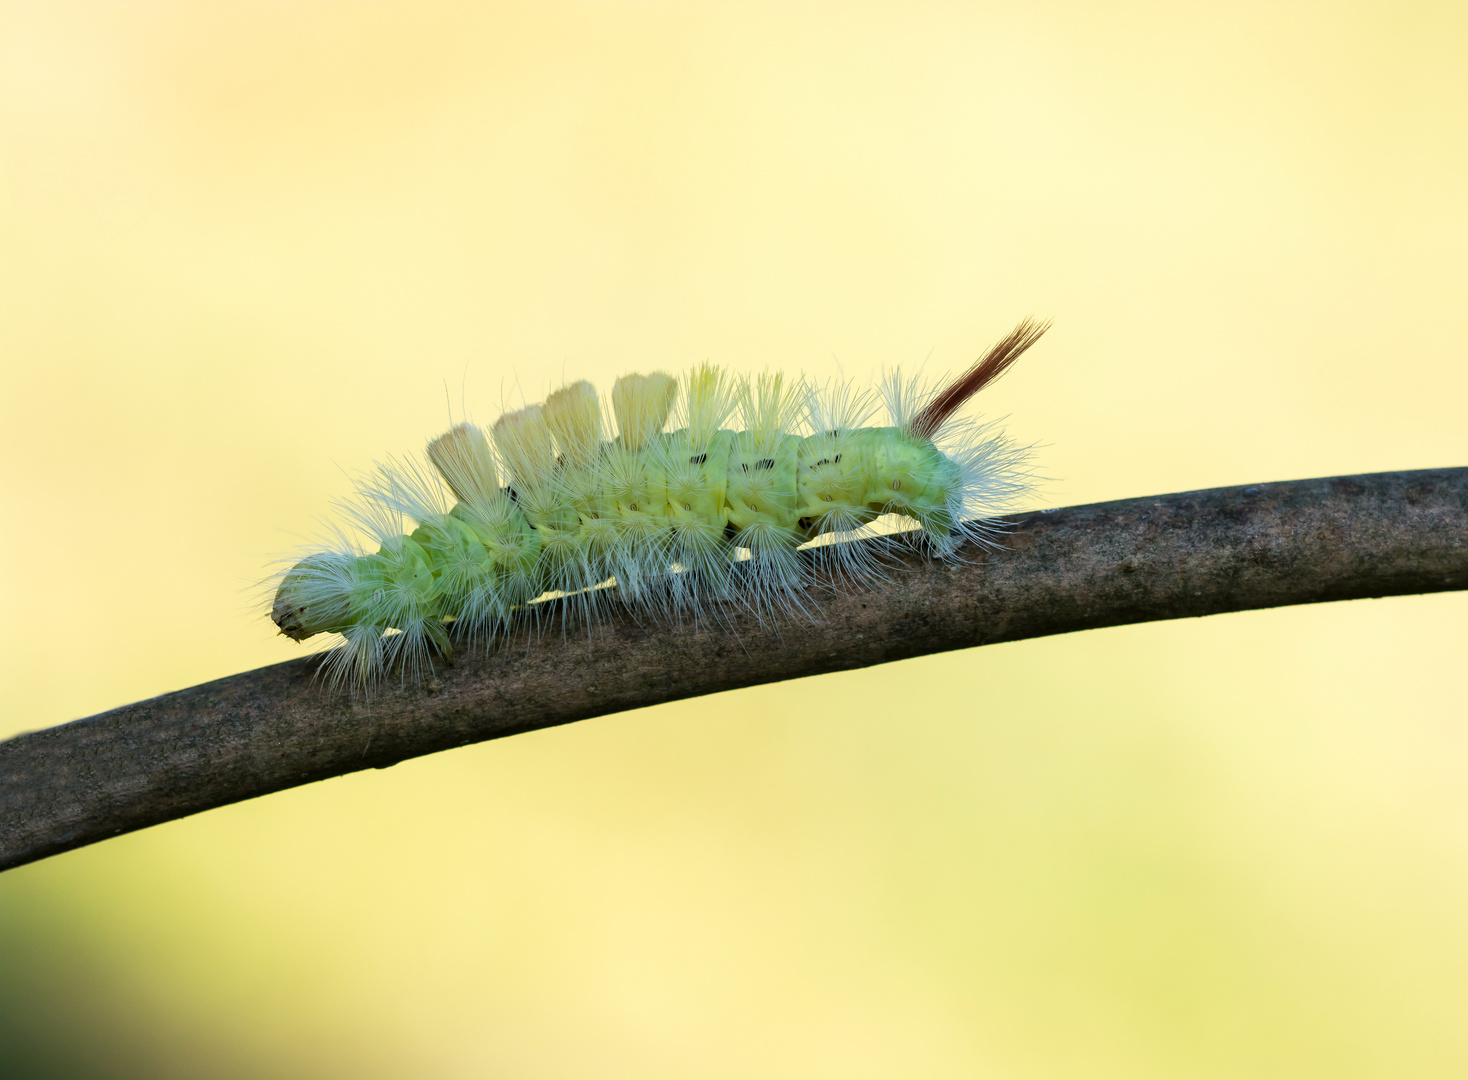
pixel 994 364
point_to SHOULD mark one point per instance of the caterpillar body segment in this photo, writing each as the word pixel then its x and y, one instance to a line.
pixel 706 496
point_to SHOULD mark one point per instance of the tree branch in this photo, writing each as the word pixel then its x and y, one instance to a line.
pixel 1167 557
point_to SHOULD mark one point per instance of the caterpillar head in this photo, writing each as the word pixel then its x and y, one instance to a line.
pixel 315 596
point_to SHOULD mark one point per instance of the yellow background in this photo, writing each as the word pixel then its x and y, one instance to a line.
pixel 245 248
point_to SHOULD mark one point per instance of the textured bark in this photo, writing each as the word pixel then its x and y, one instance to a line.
pixel 1166 557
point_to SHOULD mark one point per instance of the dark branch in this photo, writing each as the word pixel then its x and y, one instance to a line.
pixel 1168 557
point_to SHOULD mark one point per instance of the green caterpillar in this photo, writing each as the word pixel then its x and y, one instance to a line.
pixel 681 511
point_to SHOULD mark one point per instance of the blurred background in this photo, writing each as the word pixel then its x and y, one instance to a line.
pixel 246 248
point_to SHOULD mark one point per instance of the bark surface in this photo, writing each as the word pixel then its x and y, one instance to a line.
pixel 1081 567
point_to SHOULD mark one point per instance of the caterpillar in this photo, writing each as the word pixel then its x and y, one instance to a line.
pixel 679 514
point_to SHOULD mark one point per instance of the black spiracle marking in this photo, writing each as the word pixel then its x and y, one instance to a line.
pixel 698 459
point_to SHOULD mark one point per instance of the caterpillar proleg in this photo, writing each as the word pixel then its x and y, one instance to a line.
pixel 677 497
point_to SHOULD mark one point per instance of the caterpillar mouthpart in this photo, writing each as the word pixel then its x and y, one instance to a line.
pixel 685 515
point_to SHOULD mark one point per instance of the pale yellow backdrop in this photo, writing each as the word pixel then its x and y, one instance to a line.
pixel 245 248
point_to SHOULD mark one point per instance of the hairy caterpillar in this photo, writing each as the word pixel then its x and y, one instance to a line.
pixel 680 511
